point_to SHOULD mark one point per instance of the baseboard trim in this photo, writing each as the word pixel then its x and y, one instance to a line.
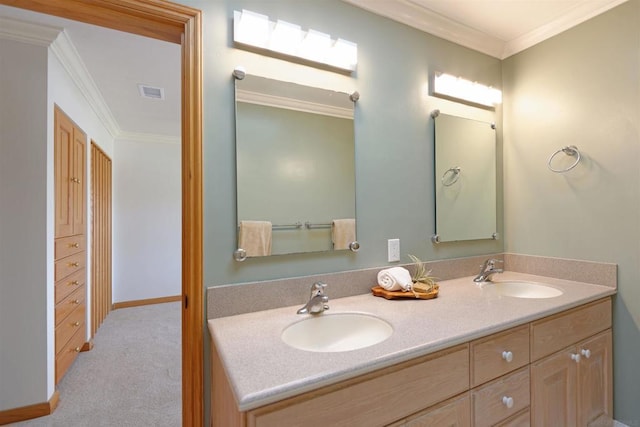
pixel 28 412
pixel 148 301
pixel 87 346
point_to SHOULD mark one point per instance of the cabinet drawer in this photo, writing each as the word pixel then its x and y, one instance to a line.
pixel 521 420
pixel 556 332
pixel 69 265
pixel 455 412
pixel 69 284
pixel 489 401
pixel 65 246
pixel 68 354
pixel 498 354
pixel 375 399
pixel 72 323
pixel 66 306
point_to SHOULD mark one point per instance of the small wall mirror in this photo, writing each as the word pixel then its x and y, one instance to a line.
pixel 465 178
pixel 295 168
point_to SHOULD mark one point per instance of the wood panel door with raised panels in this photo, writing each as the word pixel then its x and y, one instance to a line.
pixel 553 391
pixel 595 381
pixel 62 167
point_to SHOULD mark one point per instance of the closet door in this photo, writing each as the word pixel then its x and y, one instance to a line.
pixel 78 182
pixel 64 140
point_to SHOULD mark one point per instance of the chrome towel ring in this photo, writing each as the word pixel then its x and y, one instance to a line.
pixel 455 175
pixel 569 150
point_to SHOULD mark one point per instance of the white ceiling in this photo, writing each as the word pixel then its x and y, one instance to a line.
pixel 117 62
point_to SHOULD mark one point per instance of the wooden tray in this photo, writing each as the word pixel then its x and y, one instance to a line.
pixel 379 291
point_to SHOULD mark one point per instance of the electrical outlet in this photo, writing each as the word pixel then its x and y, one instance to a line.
pixel 393 250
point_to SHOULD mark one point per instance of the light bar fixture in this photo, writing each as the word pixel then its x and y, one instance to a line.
pixel 466 90
pixel 256 30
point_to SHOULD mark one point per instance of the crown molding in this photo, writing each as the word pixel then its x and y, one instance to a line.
pixel 292 104
pixel 27 32
pixel 409 13
pixel 576 16
pixel 64 49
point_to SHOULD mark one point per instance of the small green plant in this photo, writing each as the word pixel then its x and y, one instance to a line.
pixel 422 279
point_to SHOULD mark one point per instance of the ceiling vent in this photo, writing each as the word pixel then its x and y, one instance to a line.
pixel 151 92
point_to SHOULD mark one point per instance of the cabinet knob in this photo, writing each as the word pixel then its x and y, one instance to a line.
pixel 75 324
pixel 75 301
pixel 575 357
pixel 76 180
pixel 507 355
pixel 507 401
pixel 75 283
pixel 74 245
pixel 586 352
pixel 74 264
pixel 77 349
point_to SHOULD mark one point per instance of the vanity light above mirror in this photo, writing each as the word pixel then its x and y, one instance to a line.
pixel 284 39
pixel 454 87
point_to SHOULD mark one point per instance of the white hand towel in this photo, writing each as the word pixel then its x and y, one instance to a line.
pixel 255 237
pixel 343 232
pixel 395 278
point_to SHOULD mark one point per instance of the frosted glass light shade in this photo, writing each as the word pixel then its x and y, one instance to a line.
pixel 459 88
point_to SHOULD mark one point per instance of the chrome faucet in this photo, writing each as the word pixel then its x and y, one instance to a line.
pixel 318 301
pixel 488 269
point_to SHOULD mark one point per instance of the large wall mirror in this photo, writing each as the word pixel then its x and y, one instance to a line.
pixel 465 178
pixel 295 168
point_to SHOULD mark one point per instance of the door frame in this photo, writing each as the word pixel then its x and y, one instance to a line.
pixel 179 24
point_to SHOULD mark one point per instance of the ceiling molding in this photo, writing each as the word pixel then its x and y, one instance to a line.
pixel 27 32
pixel 70 59
pixel 293 104
pixel 57 39
pixel 578 15
pixel 421 18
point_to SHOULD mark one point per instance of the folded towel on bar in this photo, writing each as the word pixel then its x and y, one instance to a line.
pixel 255 237
pixel 395 279
pixel 343 233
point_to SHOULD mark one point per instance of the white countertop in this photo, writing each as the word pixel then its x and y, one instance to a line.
pixel 262 369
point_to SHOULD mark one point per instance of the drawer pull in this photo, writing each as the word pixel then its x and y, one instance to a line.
pixel 75 301
pixel 75 324
pixel 74 245
pixel 75 283
pixel 74 264
pixel 507 401
pixel 507 355
pixel 575 357
pixel 586 352
pixel 76 180
pixel 77 349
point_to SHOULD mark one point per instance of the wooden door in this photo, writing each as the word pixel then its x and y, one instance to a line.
pixel 63 143
pixel 595 388
pixel 553 391
pixel 101 232
pixel 78 183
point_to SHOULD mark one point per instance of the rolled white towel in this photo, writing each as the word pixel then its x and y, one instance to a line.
pixel 395 278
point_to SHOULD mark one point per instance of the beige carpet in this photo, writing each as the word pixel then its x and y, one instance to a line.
pixel 132 377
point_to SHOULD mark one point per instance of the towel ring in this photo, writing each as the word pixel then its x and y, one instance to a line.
pixel 454 177
pixel 569 150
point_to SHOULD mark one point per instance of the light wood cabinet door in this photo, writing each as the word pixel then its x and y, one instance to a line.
pixel 553 390
pixel 595 387
pixel 78 182
pixel 70 171
pixel 62 170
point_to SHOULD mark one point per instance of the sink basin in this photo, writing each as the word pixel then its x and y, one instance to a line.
pixel 523 289
pixel 337 332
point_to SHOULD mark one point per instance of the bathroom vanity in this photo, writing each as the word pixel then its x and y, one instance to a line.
pixel 473 356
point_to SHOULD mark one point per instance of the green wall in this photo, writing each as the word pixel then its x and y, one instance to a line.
pixel 582 88
pixel 394 149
